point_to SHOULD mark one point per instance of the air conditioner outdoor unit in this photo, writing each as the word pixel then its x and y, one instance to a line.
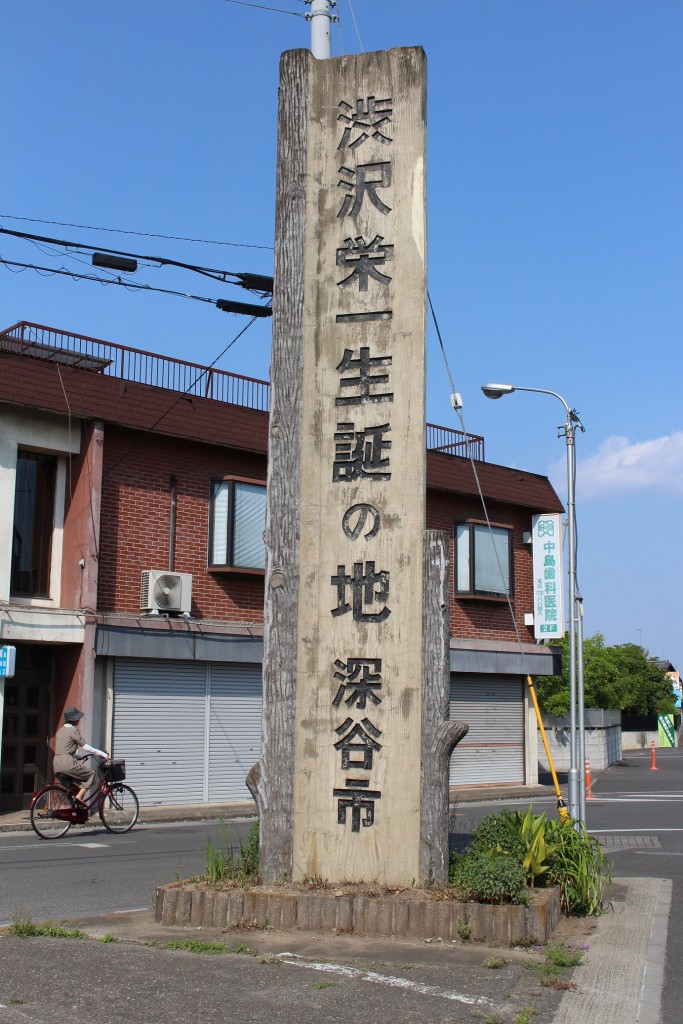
pixel 166 592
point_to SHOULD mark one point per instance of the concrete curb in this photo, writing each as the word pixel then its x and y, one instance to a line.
pixel 418 917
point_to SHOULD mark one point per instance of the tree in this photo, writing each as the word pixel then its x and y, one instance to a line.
pixel 621 677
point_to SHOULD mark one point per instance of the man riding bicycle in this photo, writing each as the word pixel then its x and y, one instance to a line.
pixel 67 742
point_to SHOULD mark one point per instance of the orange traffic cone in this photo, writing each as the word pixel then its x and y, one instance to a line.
pixel 653 766
pixel 589 791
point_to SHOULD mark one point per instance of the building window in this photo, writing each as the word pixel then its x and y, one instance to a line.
pixel 483 560
pixel 34 514
pixel 238 519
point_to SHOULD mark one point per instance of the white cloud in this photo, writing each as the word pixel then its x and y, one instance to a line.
pixel 620 465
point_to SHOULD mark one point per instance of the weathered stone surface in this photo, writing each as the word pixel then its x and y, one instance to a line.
pixel 220 911
pixel 168 907
pixel 208 909
pixel 183 906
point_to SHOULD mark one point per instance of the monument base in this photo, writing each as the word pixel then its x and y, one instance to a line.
pixel 358 909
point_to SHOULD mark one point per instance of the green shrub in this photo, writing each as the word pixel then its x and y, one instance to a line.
pixel 489 878
pixel 551 853
pixel 499 833
pixel 579 867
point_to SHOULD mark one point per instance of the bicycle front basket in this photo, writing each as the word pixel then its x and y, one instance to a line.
pixel 114 771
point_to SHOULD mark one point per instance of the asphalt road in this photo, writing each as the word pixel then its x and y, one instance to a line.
pixel 638 814
pixel 90 871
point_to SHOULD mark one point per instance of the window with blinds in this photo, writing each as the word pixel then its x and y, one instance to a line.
pixel 238 519
pixel 483 560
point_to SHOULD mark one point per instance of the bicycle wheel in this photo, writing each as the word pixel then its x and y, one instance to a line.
pixel 119 808
pixel 50 812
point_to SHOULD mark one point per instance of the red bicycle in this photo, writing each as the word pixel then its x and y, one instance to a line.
pixel 54 809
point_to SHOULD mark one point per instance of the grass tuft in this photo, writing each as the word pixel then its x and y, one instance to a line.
pixel 23 927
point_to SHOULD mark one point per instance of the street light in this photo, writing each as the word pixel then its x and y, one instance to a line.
pixel 577 753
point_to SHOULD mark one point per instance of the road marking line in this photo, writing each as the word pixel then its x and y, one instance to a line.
pixel 652 828
pixel 649 798
pixel 385 979
pixel 92 846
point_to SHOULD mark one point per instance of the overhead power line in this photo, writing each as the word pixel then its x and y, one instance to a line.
pixel 262 7
pixel 253 282
pixel 226 306
pixel 141 234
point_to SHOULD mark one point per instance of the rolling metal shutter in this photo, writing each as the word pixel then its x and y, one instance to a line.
pixel 234 730
pixel 159 728
pixel 189 731
pixel 493 750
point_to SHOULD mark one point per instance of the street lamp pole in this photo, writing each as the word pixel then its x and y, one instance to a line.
pixel 576 777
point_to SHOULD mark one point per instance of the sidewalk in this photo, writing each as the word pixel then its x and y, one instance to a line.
pixel 620 981
pixel 18 821
pixel 269 975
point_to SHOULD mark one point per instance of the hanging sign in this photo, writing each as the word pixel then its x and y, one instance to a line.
pixel 548 577
pixel 8 659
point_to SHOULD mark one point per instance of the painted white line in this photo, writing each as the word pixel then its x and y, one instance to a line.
pixel 197 823
pixel 53 844
pixel 647 799
pixel 385 979
pixel 653 828
pixel 93 846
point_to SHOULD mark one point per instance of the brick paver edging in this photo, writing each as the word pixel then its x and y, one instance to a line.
pixel 416 917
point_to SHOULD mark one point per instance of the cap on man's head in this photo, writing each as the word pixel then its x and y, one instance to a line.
pixel 73 715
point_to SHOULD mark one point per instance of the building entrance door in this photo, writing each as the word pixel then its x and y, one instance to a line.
pixel 23 765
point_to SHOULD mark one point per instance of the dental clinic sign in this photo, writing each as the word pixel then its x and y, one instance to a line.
pixel 548 578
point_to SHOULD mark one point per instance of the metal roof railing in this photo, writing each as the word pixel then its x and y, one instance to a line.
pixel 123 363
pixel 111 360
pixel 455 442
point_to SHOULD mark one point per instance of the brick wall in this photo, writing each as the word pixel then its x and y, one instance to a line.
pixel 480 618
pixel 136 518
pixel 136 515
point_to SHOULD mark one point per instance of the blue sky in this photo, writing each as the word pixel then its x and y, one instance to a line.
pixel 555 192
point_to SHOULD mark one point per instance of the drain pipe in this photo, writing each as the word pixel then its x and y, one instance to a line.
pixel 174 513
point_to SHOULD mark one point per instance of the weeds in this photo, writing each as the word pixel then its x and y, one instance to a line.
pixel 563 956
pixel 558 983
pixel 107 938
pixel 223 863
pixel 494 963
pixel 23 927
pixel 558 958
pixel 325 984
pixel 196 946
pixel 464 928
pixel 524 1015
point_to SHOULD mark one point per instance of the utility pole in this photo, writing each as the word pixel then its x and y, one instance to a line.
pixel 321 18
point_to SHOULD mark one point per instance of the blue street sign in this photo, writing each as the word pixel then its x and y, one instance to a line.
pixel 8 659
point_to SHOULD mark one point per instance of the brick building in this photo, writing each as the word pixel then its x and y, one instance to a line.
pixel 132 571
